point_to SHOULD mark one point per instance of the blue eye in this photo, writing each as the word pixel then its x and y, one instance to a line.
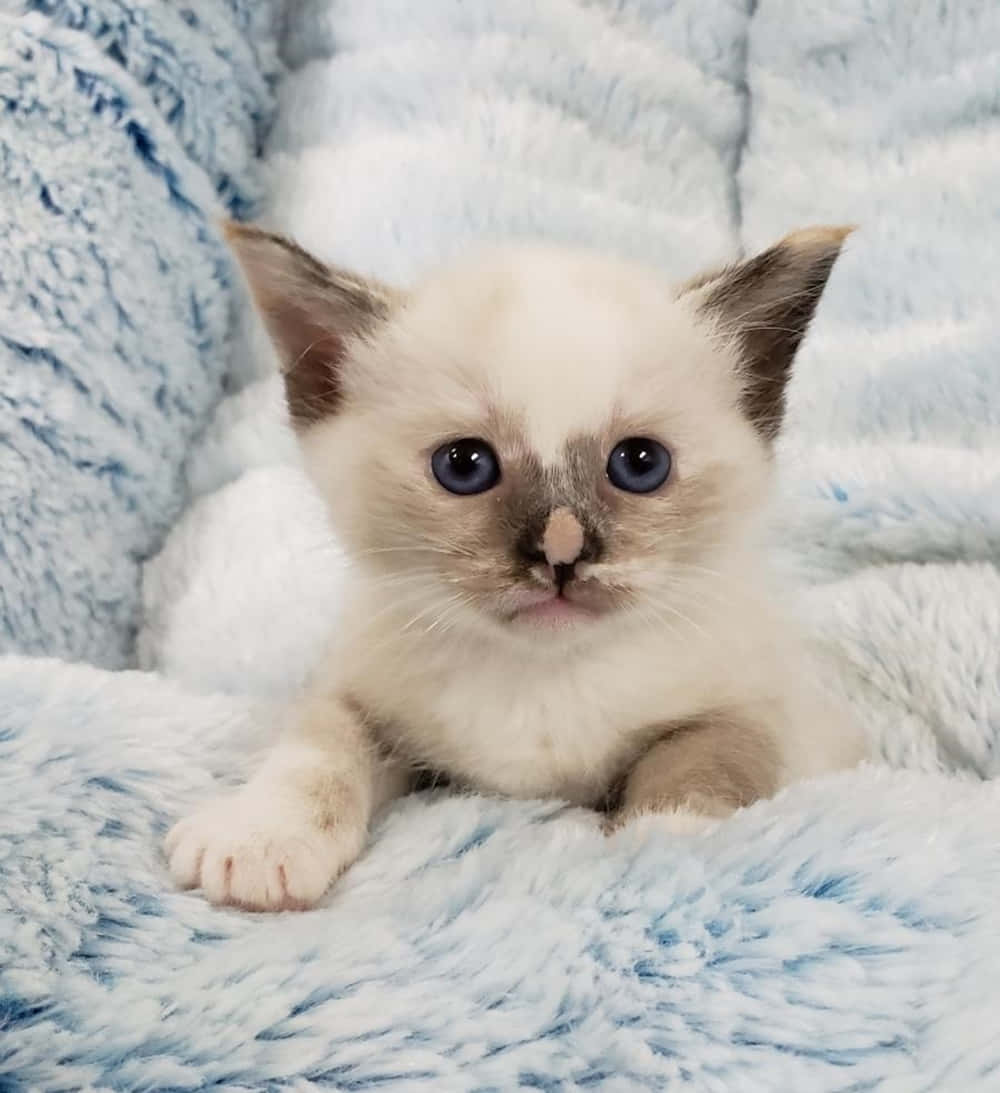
pixel 639 465
pixel 466 466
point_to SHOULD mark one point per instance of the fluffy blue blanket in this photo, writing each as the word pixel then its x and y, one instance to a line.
pixel 127 128
pixel 841 937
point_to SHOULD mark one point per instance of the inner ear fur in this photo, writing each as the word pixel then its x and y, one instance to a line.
pixel 766 304
pixel 312 312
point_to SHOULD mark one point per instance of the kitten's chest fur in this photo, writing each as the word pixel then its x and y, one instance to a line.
pixel 511 721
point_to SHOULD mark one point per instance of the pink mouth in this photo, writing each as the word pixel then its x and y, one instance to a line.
pixel 552 611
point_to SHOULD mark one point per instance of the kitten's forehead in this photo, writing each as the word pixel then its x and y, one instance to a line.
pixel 559 341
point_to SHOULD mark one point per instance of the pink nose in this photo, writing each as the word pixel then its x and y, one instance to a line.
pixel 562 542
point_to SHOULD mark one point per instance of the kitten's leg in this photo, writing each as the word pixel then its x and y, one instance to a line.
pixel 702 770
pixel 280 840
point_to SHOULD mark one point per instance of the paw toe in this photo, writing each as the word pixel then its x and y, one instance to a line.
pixel 264 864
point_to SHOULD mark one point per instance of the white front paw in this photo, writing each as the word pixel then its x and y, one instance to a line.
pixel 249 850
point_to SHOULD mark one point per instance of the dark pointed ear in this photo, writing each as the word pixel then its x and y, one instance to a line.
pixel 312 313
pixel 766 303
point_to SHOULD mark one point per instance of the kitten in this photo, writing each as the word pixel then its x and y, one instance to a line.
pixel 547 468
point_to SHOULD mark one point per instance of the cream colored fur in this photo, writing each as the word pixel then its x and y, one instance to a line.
pixel 531 348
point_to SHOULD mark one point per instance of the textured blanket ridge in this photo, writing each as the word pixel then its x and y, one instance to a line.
pixel 210 68
pixel 437 125
pixel 840 938
pixel 885 115
pixel 115 314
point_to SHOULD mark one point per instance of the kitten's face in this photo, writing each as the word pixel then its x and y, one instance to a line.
pixel 538 441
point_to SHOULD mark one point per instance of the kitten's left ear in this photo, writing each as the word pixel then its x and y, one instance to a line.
pixel 766 303
pixel 313 312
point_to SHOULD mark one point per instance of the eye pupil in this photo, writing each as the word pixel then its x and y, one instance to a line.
pixel 638 465
pixel 466 466
pixel 464 460
pixel 639 456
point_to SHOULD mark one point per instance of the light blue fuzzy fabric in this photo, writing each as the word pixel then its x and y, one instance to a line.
pixel 437 125
pixel 209 68
pixel 119 149
pixel 840 938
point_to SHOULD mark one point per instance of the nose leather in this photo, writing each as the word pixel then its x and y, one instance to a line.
pixel 562 541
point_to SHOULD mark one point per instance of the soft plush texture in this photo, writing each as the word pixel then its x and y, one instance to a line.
pixel 841 937
pixel 439 124
pixel 119 152
pixel 885 115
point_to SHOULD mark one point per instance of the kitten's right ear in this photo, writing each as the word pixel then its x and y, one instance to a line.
pixel 312 312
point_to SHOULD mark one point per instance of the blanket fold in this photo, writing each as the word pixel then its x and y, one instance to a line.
pixel 115 297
